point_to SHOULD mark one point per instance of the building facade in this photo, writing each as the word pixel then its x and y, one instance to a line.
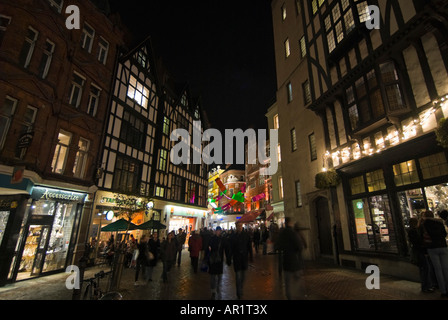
pixel 54 88
pixel 278 207
pixel 136 161
pixel 379 95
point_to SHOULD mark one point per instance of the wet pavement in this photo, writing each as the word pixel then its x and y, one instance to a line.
pixel 263 282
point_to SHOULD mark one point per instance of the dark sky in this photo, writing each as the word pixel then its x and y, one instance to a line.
pixel 224 49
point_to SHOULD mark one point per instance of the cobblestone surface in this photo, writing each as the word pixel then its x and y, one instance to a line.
pixel 263 282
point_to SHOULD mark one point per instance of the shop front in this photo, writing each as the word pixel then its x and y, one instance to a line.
pixel 389 190
pixel 105 212
pixel 185 218
pixel 46 236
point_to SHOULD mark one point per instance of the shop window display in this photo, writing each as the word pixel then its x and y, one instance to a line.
pixel 4 215
pixel 60 237
pixel 374 225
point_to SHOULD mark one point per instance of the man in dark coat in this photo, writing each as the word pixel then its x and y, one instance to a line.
pixel 291 244
pixel 240 250
pixel 216 248
pixel 181 237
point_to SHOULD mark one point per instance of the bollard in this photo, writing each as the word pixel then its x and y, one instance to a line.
pixel 82 268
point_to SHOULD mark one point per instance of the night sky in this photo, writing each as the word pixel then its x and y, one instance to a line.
pixel 223 49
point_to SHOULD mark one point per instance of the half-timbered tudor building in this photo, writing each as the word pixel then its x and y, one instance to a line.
pixel 379 94
pixel 145 108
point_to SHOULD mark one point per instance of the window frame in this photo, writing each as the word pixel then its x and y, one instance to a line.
pixel 32 46
pixel 86 35
pixel 293 137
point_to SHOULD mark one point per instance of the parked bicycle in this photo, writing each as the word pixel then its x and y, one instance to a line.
pixel 93 290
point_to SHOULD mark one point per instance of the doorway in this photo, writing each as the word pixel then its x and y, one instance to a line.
pixel 33 252
pixel 324 226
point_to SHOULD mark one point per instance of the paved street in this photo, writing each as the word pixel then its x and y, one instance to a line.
pixel 263 282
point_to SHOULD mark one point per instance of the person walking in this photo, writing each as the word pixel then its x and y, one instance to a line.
pixel 216 249
pixel 434 238
pixel 143 258
pixel 292 244
pixel 239 252
pixel 168 254
pixel 181 237
pixel 257 236
pixel 264 239
pixel 419 257
pixel 153 247
pixel 195 247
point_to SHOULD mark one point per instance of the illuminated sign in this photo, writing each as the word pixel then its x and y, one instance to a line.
pixel 186 212
pixel 41 193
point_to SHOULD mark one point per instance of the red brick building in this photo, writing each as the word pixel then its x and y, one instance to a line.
pixel 54 91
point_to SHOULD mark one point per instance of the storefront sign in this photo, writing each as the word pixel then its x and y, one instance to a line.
pixel 40 193
pixel 186 212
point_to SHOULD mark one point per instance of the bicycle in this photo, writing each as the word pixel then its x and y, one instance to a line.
pixel 93 290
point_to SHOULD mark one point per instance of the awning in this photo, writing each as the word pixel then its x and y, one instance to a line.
pixel 119 225
pixel 250 216
pixel 151 225
pixel 270 216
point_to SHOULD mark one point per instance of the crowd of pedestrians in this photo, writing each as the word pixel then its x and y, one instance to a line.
pixel 427 236
pixel 210 249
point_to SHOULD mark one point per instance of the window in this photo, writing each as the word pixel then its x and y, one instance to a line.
pixel 160 192
pixel 166 126
pixel 28 47
pixel 293 140
pixel 390 79
pixel 141 59
pixel 365 101
pixel 302 43
pixel 298 194
pixel 76 90
pixel 276 122
pixel 178 188
pixel 133 130
pixel 79 168
pixel 163 159
pixel 47 57
pixel 405 173
pixel 340 22
pixel 315 4
pixel 280 188
pixel 94 98
pixel 284 12
pixel 6 113
pixel 357 185
pixel 287 48
pixel 375 181
pixel 279 153
pixel 289 91
pixel 56 4
pixel 4 22
pixel 88 33
pixel 138 92
pixel 61 152
pixel 313 149
pixel 126 175
pixel 306 92
pixel 103 50
pixel 434 166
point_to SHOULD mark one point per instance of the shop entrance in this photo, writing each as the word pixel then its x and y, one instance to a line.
pixel 34 251
pixel 324 226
